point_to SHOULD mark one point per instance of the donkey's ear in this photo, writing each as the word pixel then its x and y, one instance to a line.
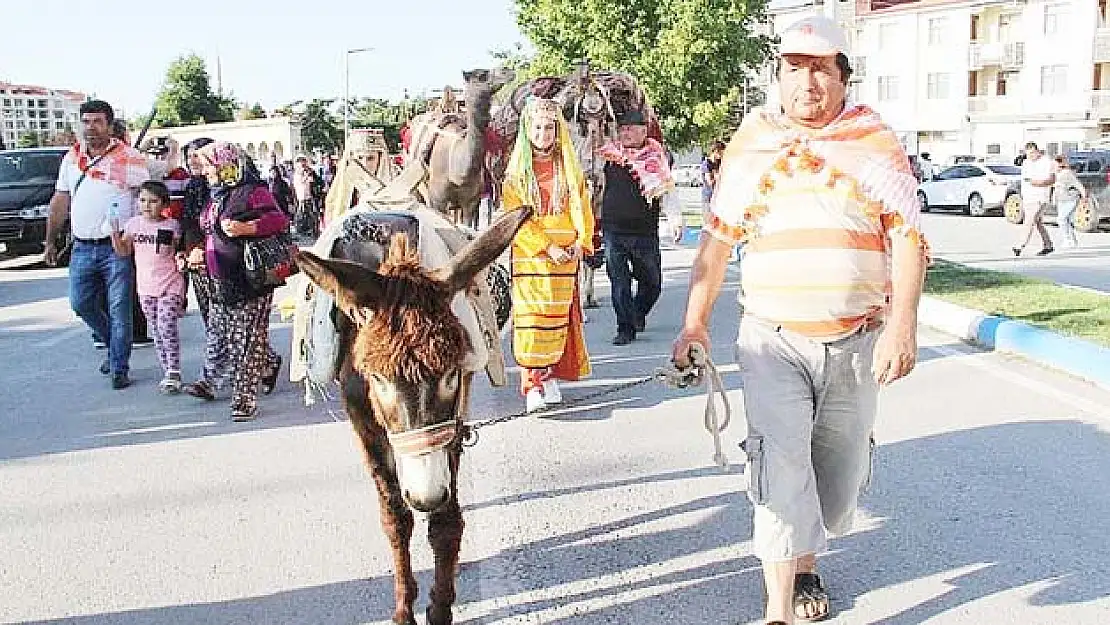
pixel 479 253
pixel 353 286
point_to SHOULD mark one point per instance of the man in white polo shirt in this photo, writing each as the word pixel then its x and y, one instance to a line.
pixel 1038 174
pixel 97 183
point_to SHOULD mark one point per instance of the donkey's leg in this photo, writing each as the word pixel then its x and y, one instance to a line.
pixel 445 529
pixel 396 517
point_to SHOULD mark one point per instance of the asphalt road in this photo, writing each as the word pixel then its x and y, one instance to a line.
pixel 988 505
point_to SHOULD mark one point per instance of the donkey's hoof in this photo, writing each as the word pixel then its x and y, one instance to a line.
pixel 436 617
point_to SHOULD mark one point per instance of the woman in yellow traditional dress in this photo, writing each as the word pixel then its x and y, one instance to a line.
pixel 543 172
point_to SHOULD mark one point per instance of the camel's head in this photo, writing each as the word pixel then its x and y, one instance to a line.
pixel 410 347
pixel 488 81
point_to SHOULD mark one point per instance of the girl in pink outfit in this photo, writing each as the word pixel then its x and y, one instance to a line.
pixel 153 239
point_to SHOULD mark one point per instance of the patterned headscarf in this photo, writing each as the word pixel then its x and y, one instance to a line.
pixel 568 171
pixel 233 166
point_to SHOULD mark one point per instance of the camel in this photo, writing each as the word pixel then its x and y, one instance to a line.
pixel 406 381
pixel 453 148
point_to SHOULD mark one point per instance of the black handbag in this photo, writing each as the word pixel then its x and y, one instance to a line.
pixel 269 260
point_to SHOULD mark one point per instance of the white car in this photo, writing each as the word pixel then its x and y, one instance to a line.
pixel 977 188
pixel 688 175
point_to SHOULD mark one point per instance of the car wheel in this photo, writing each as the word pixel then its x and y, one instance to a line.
pixel 1086 216
pixel 1013 210
pixel 975 206
pixel 922 202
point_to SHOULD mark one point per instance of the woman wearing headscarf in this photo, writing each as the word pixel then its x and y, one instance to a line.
pixel 543 172
pixel 364 169
pixel 196 197
pixel 237 339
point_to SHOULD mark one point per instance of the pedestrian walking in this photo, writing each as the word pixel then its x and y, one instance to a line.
pixel 153 238
pixel 1067 192
pixel 196 196
pixel 543 172
pixel 1038 175
pixel 238 332
pixel 824 197
pixel 306 186
pixel 637 176
pixel 97 182
pixel 282 192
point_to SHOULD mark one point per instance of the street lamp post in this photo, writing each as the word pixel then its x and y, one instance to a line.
pixel 347 89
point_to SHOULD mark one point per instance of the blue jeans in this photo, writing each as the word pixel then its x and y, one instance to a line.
pixel 631 257
pixel 98 275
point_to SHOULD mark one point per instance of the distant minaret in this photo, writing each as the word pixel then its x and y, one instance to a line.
pixel 219 77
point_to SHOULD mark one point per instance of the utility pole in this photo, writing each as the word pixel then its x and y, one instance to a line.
pixel 347 89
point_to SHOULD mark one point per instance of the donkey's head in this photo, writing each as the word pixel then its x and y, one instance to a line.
pixel 410 348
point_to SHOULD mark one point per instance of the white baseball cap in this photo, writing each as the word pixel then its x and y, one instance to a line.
pixel 813 36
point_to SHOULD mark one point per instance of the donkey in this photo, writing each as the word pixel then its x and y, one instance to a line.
pixel 406 390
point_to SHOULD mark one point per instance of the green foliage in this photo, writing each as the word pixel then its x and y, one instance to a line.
pixel 321 129
pixel 255 112
pixel 187 97
pixel 690 56
pixel 29 139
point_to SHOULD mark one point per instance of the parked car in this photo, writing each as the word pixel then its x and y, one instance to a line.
pixel 977 188
pixel 27 178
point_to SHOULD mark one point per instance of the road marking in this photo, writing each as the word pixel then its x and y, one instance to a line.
pixel 157 428
pixel 61 337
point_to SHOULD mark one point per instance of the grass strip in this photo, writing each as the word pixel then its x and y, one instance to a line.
pixel 1069 311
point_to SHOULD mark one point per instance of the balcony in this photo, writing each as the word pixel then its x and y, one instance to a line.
pixel 1100 103
pixel 993 105
pixel 1009 55
pixel 1102 45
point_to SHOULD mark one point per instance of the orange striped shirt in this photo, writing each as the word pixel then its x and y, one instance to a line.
pixel 817 248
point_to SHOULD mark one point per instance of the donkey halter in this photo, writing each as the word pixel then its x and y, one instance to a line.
pixel 425 440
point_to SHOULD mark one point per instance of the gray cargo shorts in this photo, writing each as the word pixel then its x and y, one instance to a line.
pixel 810 410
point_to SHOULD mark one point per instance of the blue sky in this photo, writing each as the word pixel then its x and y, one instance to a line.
pixel 272 51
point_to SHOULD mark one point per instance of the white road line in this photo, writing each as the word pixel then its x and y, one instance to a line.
pixel 61 337
pixel 157 428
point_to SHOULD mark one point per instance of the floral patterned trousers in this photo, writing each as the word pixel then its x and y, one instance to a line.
pixel 238 348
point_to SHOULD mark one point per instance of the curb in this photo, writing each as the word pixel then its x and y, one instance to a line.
pixel 1077 357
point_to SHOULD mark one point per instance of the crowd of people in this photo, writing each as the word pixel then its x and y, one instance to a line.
pixel 816 188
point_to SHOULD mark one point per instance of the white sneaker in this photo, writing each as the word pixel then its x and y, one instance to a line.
pixel 533 400
pixel 551 392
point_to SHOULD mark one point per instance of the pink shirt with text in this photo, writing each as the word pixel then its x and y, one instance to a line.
pixel 155 245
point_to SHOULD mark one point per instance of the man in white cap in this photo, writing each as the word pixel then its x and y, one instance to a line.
pixel 823 197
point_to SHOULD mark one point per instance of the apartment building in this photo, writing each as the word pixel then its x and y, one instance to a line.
pixel 30 108
pixel 982 77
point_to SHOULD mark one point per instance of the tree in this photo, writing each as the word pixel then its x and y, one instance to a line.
pixel 187 97
pixel 690 56
pixel 320 128
pixel 255 112
pixel 29 139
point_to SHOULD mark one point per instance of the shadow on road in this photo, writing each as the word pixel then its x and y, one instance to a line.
pixel 1011 503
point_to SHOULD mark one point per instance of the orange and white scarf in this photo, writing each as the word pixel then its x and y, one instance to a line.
pixel 857 146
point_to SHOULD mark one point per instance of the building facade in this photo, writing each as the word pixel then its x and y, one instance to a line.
pixel 267 141
pixel 980 77
pixel 43 111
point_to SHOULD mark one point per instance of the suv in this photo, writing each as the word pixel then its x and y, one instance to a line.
pixel 27 178
pixel 1092 167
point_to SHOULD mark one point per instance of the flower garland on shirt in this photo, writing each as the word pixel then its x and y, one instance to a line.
pixel 84 164
pixel 648 164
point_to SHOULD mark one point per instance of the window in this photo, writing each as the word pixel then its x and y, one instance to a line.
pixel 9 124
pixel 1054 79
pixel 1052 149
pixel 937 28
pixel 888 88
pixel 31 114
pixel 45 125
pixel 59 126
pixel 57 104
pixel 1002 170
pixel 1055 18
pixel 886 36
pixel 1067 147
pixel 937 88
pixel 19 101
pixel 7 101
pixel 994 149
pixel 42 104
pixel 20 124
pixel 59 114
